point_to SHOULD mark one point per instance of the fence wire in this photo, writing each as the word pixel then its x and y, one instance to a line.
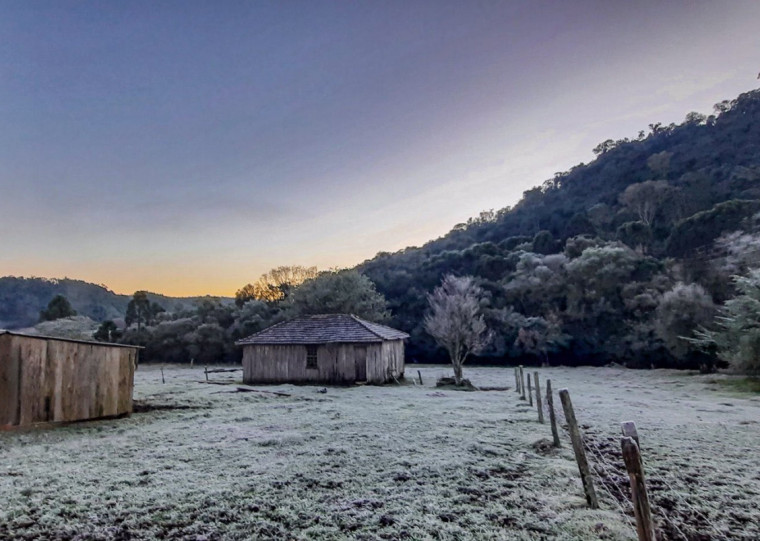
pixel 694 509
pixel 611 471
pixel 623 502
pixel 605 470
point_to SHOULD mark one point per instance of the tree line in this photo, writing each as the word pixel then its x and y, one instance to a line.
pixel 206 333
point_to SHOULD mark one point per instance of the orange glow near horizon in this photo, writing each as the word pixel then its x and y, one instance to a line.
pixel 199 278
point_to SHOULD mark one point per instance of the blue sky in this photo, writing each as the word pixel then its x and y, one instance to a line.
pixel 188 147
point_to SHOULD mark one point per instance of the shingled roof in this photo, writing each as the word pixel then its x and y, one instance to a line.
pixel 324 329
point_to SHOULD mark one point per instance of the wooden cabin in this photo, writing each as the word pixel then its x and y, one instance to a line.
pixel 325 348
pixel 54 380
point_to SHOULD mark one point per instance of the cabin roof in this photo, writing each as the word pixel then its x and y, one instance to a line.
pixel 324 329
pixel 88 342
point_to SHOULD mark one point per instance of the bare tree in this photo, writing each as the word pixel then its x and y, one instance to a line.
pixel 455 320
pixel 645 198
pixel 276 284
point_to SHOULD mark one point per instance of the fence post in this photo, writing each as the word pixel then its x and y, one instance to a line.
pixel 420 375
pixel 635 468
pixel 538 398
pixel 580 453
pixel 629 431
pixel 162 374
pixel 552 417
pixel 530 393
pixel 522 382
pixel 517 380
pixel 205 370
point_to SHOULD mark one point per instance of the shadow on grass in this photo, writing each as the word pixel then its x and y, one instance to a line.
pixel 740 385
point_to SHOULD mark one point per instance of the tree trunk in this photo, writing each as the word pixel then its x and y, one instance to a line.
pixel 457 371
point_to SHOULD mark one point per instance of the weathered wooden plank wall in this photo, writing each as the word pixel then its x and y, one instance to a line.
pixel 49 380
pixel 9 378
pixel 394 354
pixel 376 365
pixel 336 363
pixel 287 363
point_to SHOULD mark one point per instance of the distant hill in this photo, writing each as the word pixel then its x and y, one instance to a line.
pixel 22 299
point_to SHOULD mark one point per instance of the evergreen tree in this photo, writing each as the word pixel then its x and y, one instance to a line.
pixel 58 307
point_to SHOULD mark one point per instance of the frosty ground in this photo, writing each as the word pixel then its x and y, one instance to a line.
pixel 392 462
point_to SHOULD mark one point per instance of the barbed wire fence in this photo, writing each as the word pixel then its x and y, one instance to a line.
pixel 611 475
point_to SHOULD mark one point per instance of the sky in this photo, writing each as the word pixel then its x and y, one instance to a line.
pixel 188 147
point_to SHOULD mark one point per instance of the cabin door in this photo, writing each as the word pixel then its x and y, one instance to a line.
pixel 360 358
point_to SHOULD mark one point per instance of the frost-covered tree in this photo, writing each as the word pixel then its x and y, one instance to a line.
pixel 537 282
pixel 737 333
pixel 681 311
pixel 455 319
pixel 739 251
pixel 540 336
pixel 594 279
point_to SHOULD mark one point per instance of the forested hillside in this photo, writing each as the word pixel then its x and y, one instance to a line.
pixel 585 261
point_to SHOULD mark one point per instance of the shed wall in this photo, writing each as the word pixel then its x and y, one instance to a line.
pixel 336 363
pixel 387 362
pixel 47 380
pixel 287 363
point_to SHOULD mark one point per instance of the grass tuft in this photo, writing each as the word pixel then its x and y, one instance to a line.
pixel 741 385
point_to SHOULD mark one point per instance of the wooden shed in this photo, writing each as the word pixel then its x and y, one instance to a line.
pixel 329 348
pixel 53 380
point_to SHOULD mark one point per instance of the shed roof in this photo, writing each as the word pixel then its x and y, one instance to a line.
pixel 323 329
pixel 88 342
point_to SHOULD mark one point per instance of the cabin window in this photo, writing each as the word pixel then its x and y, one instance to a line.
pixel 311 356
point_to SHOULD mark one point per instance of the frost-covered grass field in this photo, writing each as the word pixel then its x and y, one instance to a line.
pixel 393 462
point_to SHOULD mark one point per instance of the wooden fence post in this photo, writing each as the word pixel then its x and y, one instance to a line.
pixel 517 380
pixel 205 370
pixel 635 468
pixel 629 431
pixel 580 453
pixel 552 417
pixel 538 398
pixel 420 376
pixel 530 393
pixel 162 374
pixel 522 382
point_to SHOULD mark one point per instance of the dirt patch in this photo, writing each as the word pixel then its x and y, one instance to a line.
pixel 143 406
pixel 544 447
pixel 449 383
